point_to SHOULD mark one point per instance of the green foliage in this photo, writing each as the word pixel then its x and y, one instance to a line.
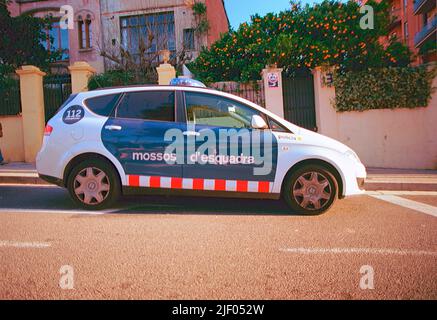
pixel 114 78
pixel 203 26
pixel 21 41
pixel 324 34
pixel 383 88
pixel 199 8
pixel 428 47
pixel 202 23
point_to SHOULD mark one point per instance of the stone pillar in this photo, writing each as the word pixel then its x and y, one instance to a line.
pixel 80 72
pixel 326 116
pixel 32 106
pixel 166 72
pixel 272 77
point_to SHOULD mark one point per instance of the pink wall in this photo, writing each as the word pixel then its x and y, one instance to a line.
pixel 398 138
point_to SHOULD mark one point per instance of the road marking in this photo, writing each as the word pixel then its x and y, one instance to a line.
pixel 16 244
pixel 407 203
pixel 83 212
pixel 381 251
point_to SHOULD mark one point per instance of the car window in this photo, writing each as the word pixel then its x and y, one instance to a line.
pixel 211 110
pixel 102 105
pixel 69 99
pixel 276 126
pixel 148 105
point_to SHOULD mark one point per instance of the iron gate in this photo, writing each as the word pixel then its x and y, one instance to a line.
pixel 57 89
pixel 10 98
pixel 298 92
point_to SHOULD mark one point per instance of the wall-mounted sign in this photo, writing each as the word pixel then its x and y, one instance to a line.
pixel 273 79
pixel 327 79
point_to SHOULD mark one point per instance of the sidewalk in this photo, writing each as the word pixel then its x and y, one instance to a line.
pixel 377 178
pixel 19 173
pixel 401 179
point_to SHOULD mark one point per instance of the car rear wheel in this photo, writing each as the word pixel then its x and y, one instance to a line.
pixel 310 190
pixel 93 185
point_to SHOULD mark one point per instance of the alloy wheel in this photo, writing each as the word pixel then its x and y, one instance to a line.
pixel 312 190
pixel 91 186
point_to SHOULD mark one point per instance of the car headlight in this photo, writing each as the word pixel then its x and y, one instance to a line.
pixel 352 155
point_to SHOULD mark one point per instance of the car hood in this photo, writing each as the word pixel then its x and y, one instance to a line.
pixel 315 139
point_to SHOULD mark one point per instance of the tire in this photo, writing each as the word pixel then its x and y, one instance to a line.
pixel 94 184
pixel 310 190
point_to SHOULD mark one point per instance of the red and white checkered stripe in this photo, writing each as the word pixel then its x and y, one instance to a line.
pixel 198 184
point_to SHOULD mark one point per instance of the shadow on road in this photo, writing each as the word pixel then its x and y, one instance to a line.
pixel 55 198
pixel 203 205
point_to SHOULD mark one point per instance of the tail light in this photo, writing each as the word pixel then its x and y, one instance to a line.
pixel 48 130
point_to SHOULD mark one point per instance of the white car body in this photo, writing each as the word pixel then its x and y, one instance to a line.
pixel 68 141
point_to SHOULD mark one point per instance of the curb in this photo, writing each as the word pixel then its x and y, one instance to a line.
pixel 400 186
pixel 21 178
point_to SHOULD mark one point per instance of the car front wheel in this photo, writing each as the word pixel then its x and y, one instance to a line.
pixel 93 185
pixel 310 190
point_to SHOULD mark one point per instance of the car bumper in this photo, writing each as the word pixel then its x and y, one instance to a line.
pixel 355 182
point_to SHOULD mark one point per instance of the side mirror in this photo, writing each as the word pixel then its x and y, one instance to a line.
pixel 258 122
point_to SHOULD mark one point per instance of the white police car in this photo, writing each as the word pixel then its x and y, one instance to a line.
pixel 194 141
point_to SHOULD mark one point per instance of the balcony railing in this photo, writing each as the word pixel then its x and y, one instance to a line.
pixel 421 6
pixel 426 31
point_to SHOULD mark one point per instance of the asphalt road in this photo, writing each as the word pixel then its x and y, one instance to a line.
pixel 200 248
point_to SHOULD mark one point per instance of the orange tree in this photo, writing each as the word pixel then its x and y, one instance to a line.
pixel 328 33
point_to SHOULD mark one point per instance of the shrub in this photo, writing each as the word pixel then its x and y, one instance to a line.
pixel 111 78
pixel 383 88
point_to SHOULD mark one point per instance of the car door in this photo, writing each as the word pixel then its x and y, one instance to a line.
pixel 236 160
pixel 135 135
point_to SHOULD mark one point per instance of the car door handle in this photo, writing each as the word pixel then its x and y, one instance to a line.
pixel 113 127
pixel 190 133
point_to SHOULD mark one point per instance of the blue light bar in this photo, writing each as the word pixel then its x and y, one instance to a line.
pixel 187 82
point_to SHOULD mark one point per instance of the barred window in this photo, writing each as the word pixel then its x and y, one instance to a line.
pixel 153 32
pixel 189 39
pixel 84 28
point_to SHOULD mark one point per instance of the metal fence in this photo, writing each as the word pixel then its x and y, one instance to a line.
pixel 252 91
pixel 57 89
pixel 10 100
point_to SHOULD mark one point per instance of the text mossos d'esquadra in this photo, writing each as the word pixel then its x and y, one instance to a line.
pixel 217 147
pixel 218 159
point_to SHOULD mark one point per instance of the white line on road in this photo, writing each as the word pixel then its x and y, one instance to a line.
pixel 17 244
pixel 380 251
pixel 406 203
pixel 17 210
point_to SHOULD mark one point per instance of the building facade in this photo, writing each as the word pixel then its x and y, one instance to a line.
pixel 426 35
pixel 106 26
pixel 414 22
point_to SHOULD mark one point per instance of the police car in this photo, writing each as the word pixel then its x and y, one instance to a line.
pixel 190 140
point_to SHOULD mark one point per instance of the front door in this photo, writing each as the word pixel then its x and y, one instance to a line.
pixel 225 153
